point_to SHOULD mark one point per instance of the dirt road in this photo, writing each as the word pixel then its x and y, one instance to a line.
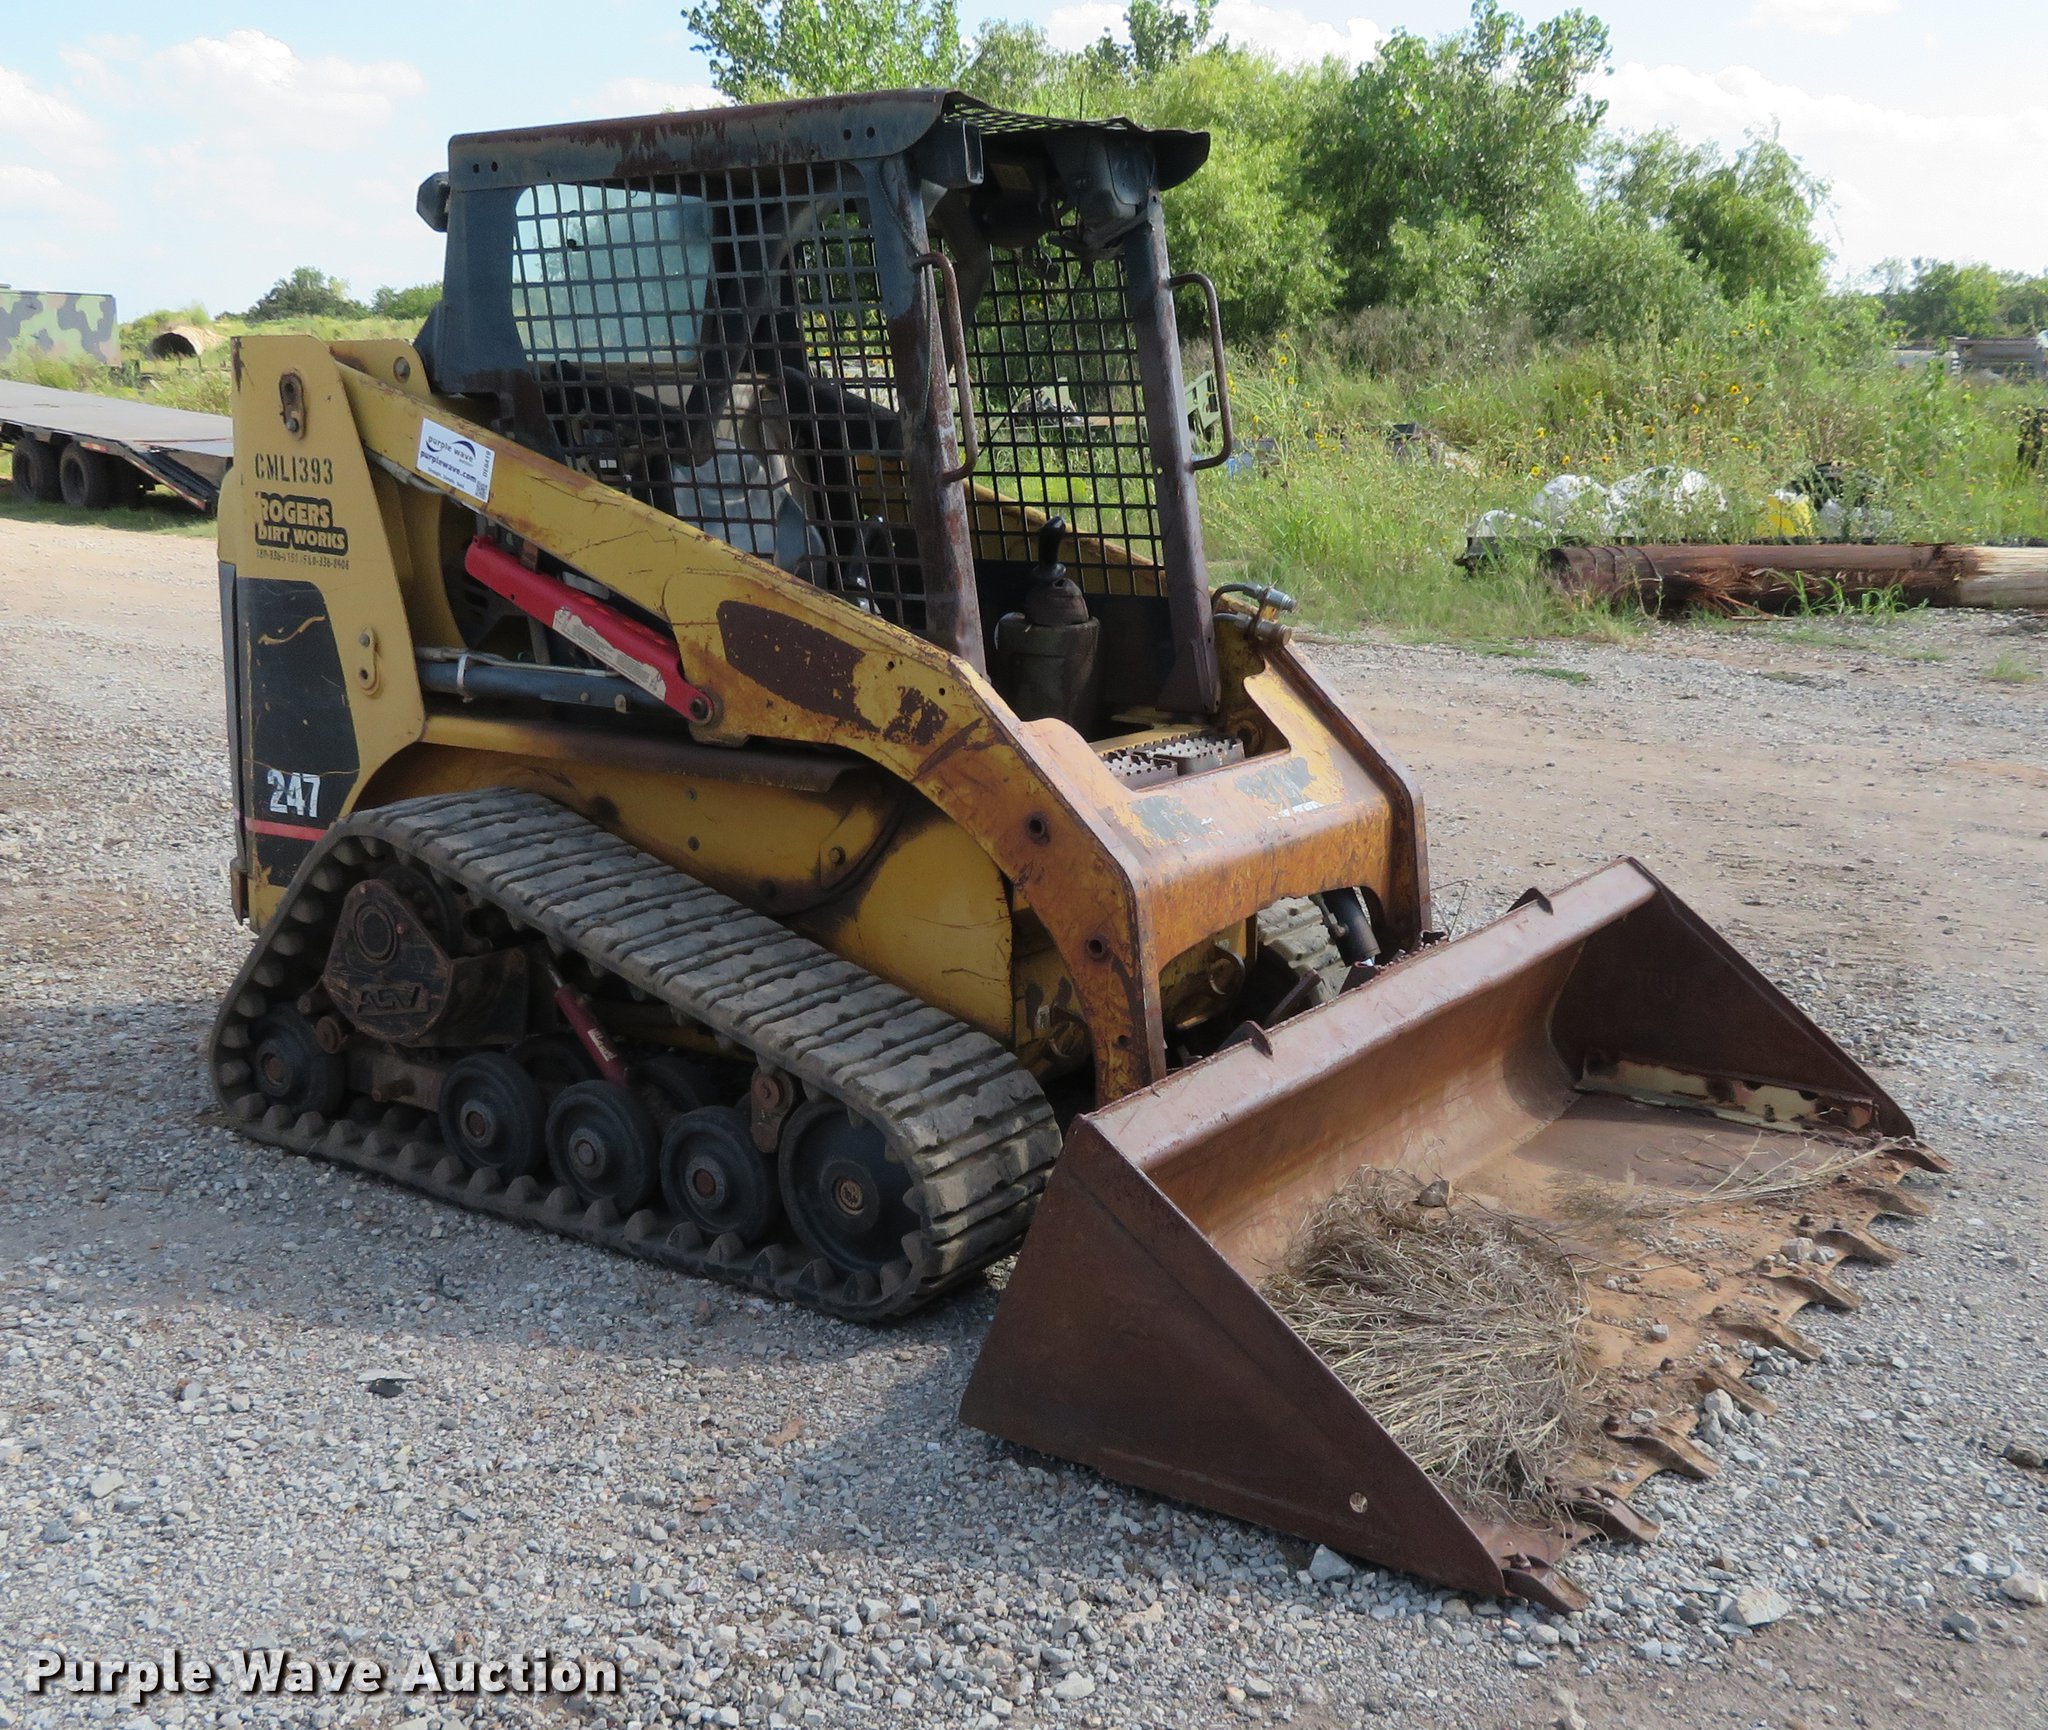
pixel 776 1518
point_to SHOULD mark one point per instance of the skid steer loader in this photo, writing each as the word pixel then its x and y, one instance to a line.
pixel 739 760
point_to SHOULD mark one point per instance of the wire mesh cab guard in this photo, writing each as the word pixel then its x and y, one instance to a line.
pixel 729 316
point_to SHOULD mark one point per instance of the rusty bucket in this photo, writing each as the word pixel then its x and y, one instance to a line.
pixel 1601 1039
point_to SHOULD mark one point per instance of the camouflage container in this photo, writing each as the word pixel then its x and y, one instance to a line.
pixel 62 326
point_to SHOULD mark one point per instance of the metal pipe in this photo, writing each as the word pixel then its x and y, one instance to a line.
pixel 474 677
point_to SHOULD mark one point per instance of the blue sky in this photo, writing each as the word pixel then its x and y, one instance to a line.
pixel 183 152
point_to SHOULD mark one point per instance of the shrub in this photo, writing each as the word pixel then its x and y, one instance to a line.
pixel 1594 272
pixel 306 293
pixel 410 304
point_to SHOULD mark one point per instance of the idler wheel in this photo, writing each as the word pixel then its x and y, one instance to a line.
pixel 603 1144
pixel 291 1069
pixel 712 1173
pixel 432 900
pixel 844 1194
pixel 495 1116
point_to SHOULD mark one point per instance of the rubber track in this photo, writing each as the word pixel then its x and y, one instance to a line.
pixel 1296 929
pixel 967 1119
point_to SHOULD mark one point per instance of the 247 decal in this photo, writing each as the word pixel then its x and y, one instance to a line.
pixel 294 795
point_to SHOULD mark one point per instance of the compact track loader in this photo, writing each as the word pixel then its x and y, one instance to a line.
pixel 740 761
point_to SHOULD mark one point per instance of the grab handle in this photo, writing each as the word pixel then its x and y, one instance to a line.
pixel 953 335
pixel 1228 447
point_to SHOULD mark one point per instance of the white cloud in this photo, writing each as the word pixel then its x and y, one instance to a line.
pixel 247 74
pixel 26 188
pixel 1905 183
pixel 295 158
pixel 1287 35
pixel 1739 96
pixel 631 96
pixel 1076 26
pixel 1818 17
pixel 40 115
pixel 93 64
pixel 1293 37
pixel 92 78
pixel 108 46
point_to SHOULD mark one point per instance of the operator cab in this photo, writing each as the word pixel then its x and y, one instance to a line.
pixel 911 349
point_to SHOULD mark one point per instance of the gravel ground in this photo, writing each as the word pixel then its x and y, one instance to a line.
pixel 248 1402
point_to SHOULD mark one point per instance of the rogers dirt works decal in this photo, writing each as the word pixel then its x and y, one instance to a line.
pixel 300 524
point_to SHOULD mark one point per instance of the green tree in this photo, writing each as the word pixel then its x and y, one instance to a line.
pixel 2022 304
pixel 306 293
pixel 405 303
pixel 1942 300
pixel 1247 218
pixel 783 48
pixel 1162 34
pixel 1450 265
pixel 1012 65
pixel 1596 272
pixel 1933 300
pixel 1488 126
pixel 1748 222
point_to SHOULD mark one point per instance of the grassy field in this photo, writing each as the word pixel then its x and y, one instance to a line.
pixel 1365 534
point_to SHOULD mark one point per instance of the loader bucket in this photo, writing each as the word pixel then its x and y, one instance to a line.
pixel 1597 1063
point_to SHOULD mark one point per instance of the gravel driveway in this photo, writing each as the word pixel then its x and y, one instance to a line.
pixel 249 1402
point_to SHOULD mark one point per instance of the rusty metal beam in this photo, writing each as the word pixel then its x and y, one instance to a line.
pixel 1729 579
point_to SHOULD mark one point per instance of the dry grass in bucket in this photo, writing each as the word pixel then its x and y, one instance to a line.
pixel 1458 1330
pixel 1763 1174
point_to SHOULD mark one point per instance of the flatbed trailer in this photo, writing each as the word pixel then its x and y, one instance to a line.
pixel 98 452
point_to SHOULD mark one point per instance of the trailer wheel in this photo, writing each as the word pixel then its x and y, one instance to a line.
pixel 86 478
pixel 35 471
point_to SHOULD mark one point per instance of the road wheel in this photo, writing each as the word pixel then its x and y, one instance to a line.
pixel 603 1144
pixel 35 472
pixel 846 1197
pixel 85 478
pixel 494 1115
pixel 291 1068
pixel 712 1172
